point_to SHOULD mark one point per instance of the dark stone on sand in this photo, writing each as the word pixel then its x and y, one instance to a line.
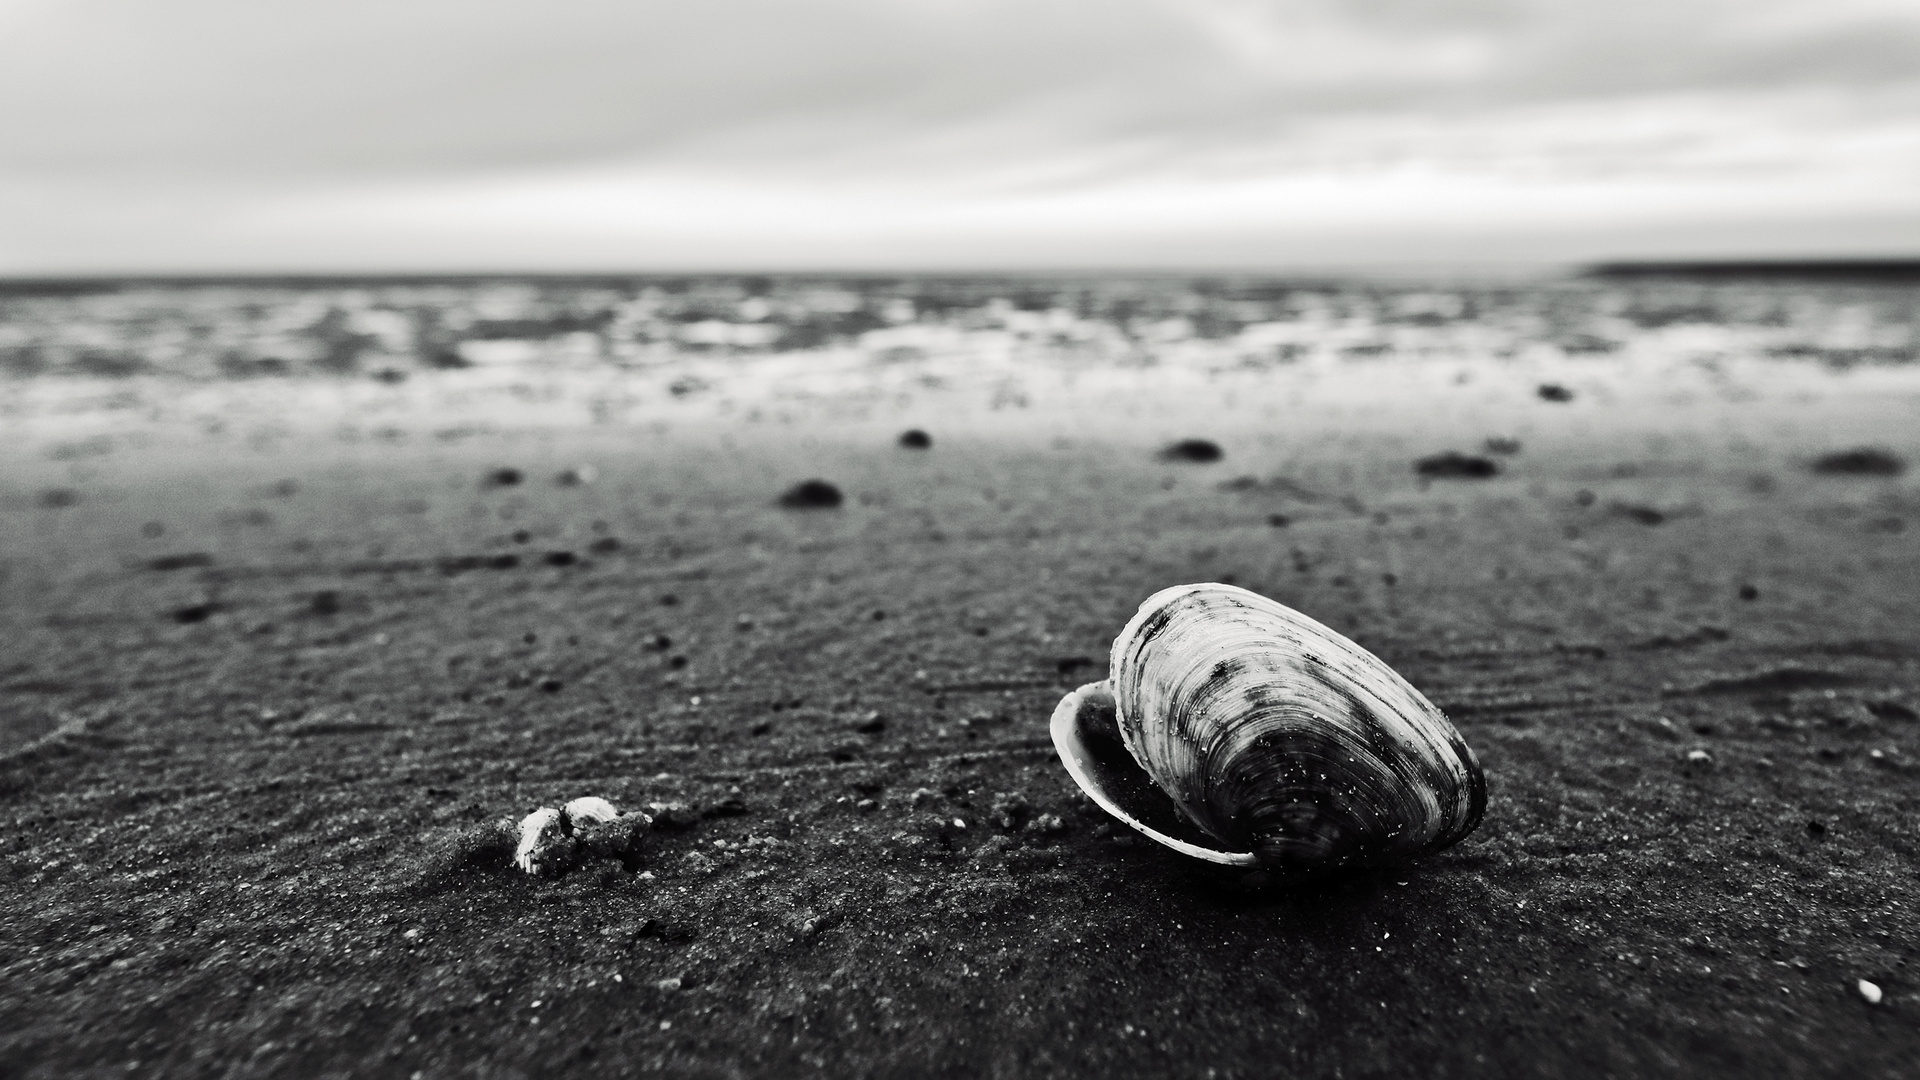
pixel 916 439
pixel 193 613
pixel 677 662
pixel 1453 465
pixel 187 560
pixel 1892 710
pixel 55 498
pixel 454 564
pixel 660 643
pixel 1554 392
pixel 325 602
pixel 390 376
pixel 560 558
pixel 1860 461
pixel 1749 592
pixel 1194 451
pixel 871 724
pixel 812 495
pixel 669 600
pixel 606 545
pixel 1816 829
pixel 1279 521
pixel 502 478
pixel 1645 515
pixel 1777 682
pixel 552 686
pixel 1499 445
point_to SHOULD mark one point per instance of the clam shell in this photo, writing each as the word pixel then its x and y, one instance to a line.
pixel 1235 729
pixel 589 808
pixel 554 841
pixel 540 832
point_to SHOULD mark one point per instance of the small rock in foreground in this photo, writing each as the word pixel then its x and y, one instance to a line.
pixel 812 495
pixel 1861 461
pixel 1195 451
pixel 553 841
pixel 1453 465
pixel 916 440
pixel 1554 392
pixel 1870 991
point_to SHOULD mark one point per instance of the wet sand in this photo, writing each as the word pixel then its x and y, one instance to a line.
pixel 280 656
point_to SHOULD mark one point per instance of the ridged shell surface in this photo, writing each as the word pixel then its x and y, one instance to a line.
pixel 1279 736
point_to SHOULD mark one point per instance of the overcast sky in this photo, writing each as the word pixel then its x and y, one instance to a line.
pixel 748 134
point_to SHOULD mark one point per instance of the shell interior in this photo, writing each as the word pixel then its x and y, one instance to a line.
pixel 1088 739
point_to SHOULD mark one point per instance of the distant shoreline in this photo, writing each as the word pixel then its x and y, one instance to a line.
pixel 1302 277
pixel 1766 269
pixel 1729 270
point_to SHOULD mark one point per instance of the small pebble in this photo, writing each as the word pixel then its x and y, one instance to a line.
pixel 1699 756
pixel 1196 451
pixel 1554 392
pixel 502 478
pixel 1869 991
pixel 812 495
pixel 1863 461
pixel 194 613
pixel 1454 465
pixel 916 439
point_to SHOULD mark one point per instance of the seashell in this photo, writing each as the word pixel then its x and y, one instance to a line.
pixel 589 808
pixel 555 841
pixel 1234 729
pixel 541 834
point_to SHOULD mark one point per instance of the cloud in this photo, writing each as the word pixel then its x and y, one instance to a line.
pixel 485 130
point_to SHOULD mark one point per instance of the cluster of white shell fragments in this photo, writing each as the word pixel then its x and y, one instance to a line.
pixel 1237 730
pixel 555 841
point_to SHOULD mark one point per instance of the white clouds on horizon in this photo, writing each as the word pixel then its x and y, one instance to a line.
pixel 218 132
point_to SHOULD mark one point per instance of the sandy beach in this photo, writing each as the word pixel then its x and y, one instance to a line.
pixel 281 652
